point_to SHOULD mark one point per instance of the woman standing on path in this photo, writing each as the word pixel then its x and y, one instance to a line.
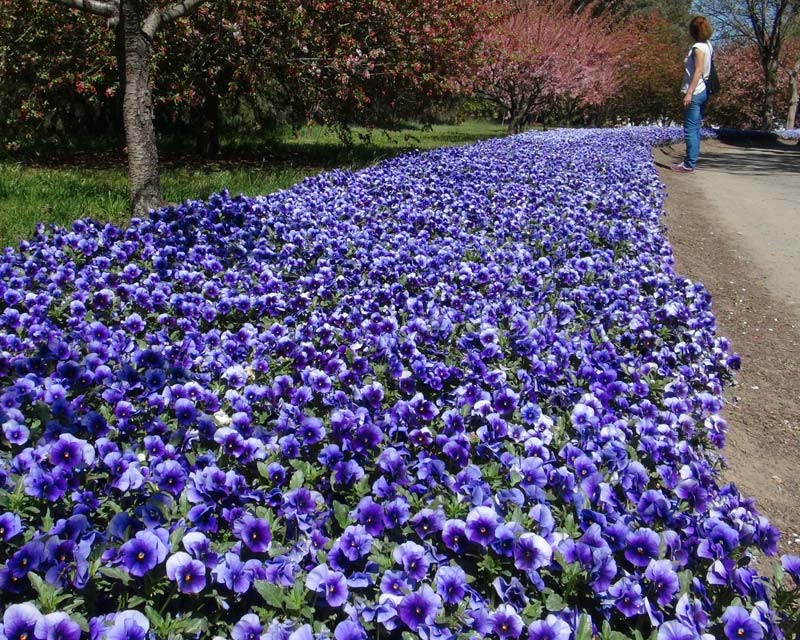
pixel 696 68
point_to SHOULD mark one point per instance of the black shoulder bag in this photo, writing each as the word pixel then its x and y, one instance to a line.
pixel 712 82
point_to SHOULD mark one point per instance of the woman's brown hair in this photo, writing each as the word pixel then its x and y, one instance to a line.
pixel 700 28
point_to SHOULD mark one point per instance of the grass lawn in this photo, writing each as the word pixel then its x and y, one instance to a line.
pixel 56 191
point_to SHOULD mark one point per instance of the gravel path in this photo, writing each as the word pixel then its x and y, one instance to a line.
pixel 735 226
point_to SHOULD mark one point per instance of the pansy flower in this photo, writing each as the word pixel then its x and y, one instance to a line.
pixel 531 552
pixel 142 553
pixel 19 621
pixel 674 630
pixel 419 608
pixel 664 580
pixel 627 596
pixel 451 583
pixel 349 630
pixel 57 626
pixel 506 623
pixel 331 584
pixel 189 574
pixel 254 532
pixel 791 565
pixel 428 522
pixel 481 525
pixel 10 526
pixel 128 625
pixel 413 559
pixel 551 628
pixel 740 625
pixel 642 547
pixel 247 628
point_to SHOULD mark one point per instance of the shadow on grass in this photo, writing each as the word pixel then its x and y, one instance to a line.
pixel 318 148
pixel 56 184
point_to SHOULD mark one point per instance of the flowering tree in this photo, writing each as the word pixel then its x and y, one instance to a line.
pixel 372 61
pixel 56 75
pixel 650 71
pixel 765 24
pixel 359 61
pixel 138 22
pixel 539 52
pixel 740 104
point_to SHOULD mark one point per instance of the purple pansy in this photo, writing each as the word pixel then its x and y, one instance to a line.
pixel 791 565
pixel 419 608
pixel 15 432
pixel 674 630
pixel 128 625
pixel 142 553
pixel 10 526
pixel 642 547
pixel 355 542
pixel 454 535
pixel 331 584
pixel 551 628
pixel 451 583
pixel 428 522
pixel 349 630
pixel 481 525
pixel 20 621
pixel 531 552
pixel 664 580
pixel 627 596
pixel 506 623
pixel 57 626
pixel 254 532
pixel 188 573
pixel 413 559
pixel 248 628
pixel 740 625
pixel 453 380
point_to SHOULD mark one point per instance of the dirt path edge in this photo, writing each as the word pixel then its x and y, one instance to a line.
pixel 763 405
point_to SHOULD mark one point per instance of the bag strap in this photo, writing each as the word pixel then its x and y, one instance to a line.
pixel 711 60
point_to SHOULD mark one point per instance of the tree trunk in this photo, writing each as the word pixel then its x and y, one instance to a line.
pixel 770 89
pixel 514 123
pixel 119 54
pixel 794 98
pixel 207 126
pixel 140 132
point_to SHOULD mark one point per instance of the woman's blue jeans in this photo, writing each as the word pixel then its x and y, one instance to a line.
pixel 692 119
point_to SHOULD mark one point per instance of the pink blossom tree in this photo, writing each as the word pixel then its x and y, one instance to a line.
pixel 740 103
pixel 539 53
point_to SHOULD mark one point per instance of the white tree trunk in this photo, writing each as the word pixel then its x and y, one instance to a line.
pixel 794 98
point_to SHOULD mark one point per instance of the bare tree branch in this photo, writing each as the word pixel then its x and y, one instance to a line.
pixel 97 7
pixel 158 17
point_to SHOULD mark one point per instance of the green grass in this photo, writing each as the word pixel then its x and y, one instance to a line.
pixel 65 190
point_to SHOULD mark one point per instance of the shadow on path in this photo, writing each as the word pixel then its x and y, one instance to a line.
pixel 753 160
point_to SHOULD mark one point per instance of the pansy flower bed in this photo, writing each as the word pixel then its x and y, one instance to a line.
pixel 789 134
pixel 460 394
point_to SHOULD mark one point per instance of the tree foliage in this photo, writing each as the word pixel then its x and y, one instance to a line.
pixel 373 61
pixel 57 75
pixel 540 53
pixel 765 24
pixel 740 104
pixel 360 61
pixel 651 71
